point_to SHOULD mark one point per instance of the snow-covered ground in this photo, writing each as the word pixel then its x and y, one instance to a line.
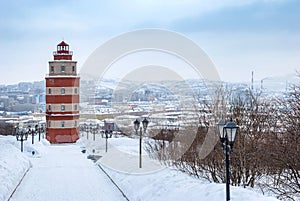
pixel 58 172
pixel 62 172
pixel 171 185
pixel 13 166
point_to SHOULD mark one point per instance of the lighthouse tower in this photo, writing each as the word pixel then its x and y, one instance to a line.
pixel 62 97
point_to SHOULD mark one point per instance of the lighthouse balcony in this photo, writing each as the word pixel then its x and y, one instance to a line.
pixel 62 52
pixel 62 55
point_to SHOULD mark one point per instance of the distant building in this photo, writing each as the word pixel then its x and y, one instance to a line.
pixel 62 97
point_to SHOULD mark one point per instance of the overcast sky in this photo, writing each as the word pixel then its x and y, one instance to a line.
pixel 240 36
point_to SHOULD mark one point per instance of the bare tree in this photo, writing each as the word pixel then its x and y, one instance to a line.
pixel 284 148
pixel 266 150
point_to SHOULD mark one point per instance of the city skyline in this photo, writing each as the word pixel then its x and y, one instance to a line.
pixel 239 37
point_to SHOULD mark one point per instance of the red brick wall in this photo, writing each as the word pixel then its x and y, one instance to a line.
pixel 62 117
pixel 62 57
pixel 57 135
pixel 58 99
pixel 62 82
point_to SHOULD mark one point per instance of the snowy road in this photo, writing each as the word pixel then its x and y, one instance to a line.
pixel 63 173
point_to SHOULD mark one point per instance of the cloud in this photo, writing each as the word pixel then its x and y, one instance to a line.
pixel 34 17
pixel 30 29
pixel 268 16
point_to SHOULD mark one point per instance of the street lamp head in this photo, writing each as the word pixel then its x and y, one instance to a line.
pixel 231 130
pixel 136 125
pixel 18 133
pixel 22 134
pixel 220 130
pixel 145 123
pixel 25 133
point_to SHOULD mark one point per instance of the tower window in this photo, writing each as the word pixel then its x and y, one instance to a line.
pixel 62 124
pixel 62 69
pixel 73 68
pixel 63 91
pixel 62 107
pixel 75 123
pixel 49 90
pixel 75 107
pixel 49 124
pixel 49 107
pixel 75 90
pixel 52 69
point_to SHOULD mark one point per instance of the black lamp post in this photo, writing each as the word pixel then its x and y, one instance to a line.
pixel 108 134
pixel 32 132
pixel 94 131
pixel 82 129
pixel 108 130
pixel 227 132
pixel 87 129
pixel 39 129
pixel 136 125
pixel 21 136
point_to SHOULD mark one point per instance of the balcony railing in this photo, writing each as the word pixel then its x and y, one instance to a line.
pixel 63 52
pixel 62 75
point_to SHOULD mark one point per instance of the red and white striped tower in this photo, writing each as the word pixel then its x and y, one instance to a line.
pixel 62 97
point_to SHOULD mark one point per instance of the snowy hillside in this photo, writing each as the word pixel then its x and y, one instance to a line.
pixel 13 166
pixel 164 184
pixel 171 185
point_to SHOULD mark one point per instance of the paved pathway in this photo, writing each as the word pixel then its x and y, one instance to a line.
pixel 63 173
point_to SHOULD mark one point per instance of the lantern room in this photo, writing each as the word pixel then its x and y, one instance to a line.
pixel 63 52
